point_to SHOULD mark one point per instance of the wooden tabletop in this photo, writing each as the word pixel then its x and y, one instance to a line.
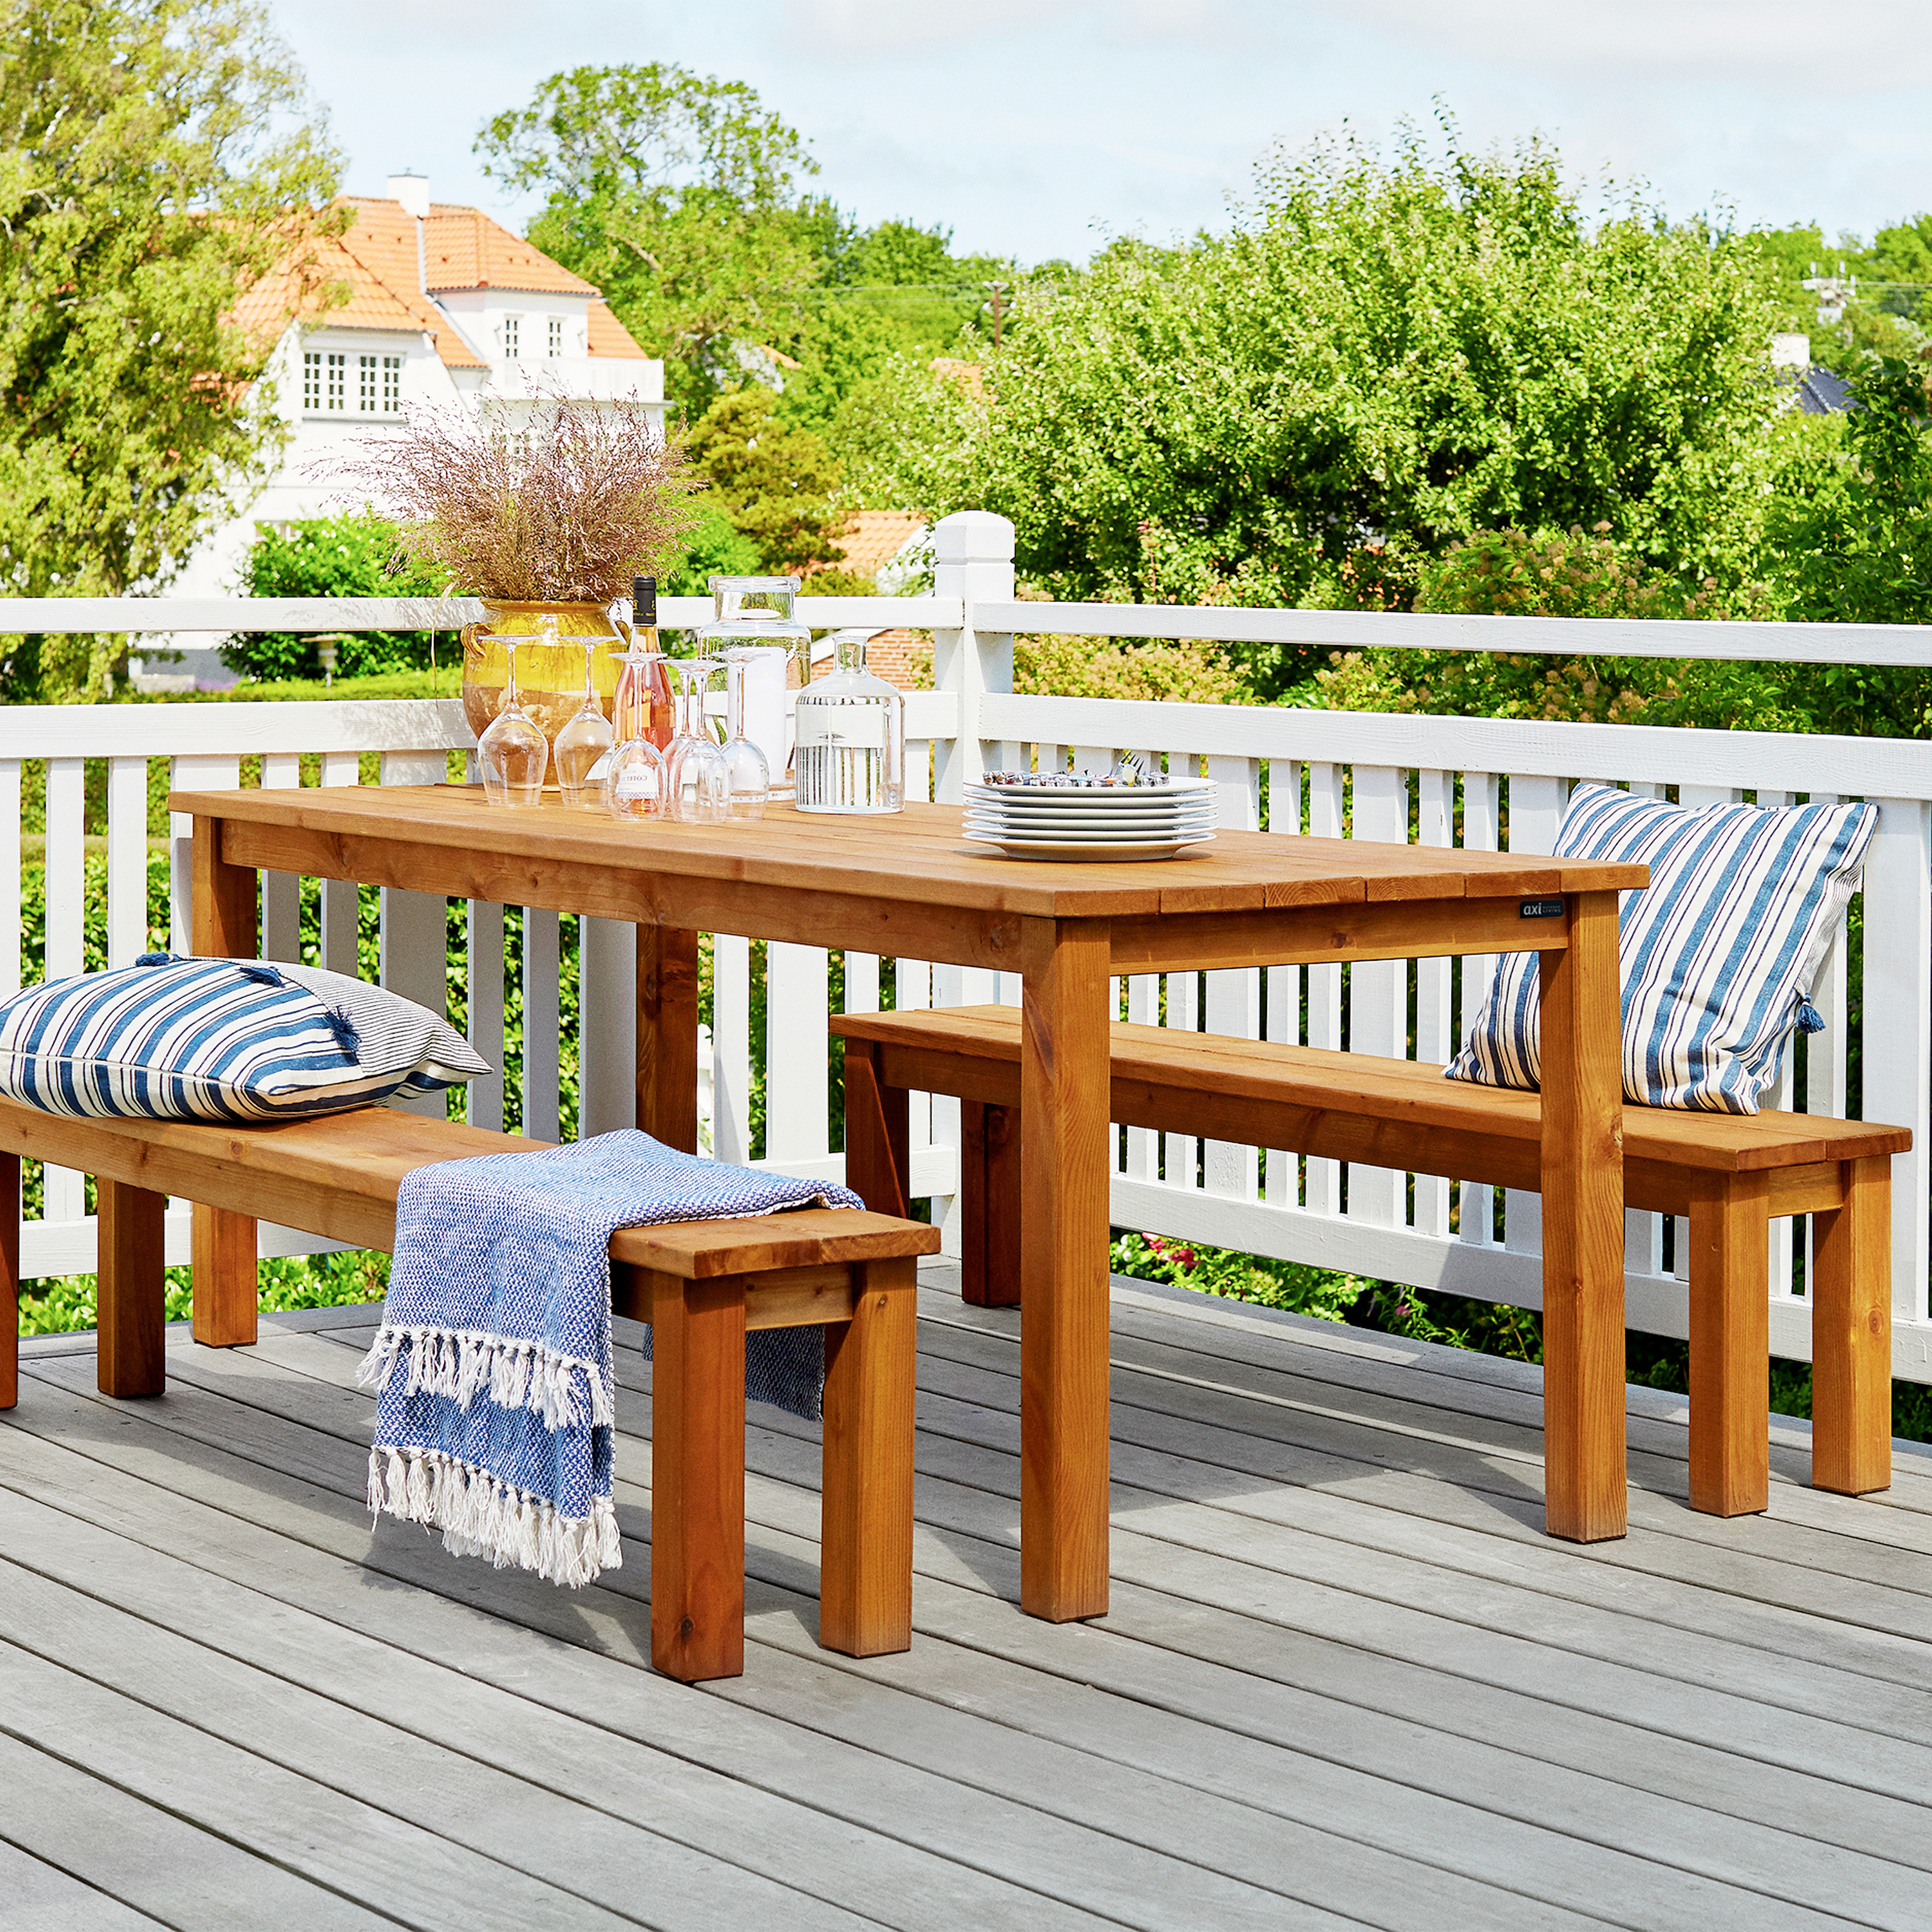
pixel 917 856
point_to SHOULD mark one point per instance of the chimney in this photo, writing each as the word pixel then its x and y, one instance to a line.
pixel 412 191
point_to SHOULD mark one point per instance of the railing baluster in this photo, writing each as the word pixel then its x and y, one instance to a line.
pixel 1324 981
pixel 1535 812
pixel 483 1096
pixel 731 1047
pixel 127 860
pixel 340 913
pixel 281 892
pixel 541 1040
pixel 1434 826
pixel 1378 989
pixel 10 876
pixel 1234 996
pixel 797 984
pixel 64 872
pixel 1475 1200
pixel 414 951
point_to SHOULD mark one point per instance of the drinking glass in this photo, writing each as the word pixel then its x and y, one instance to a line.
pixel 584 741
pixel 513 753
pixel 747 778
pixel 697 786
pixel 634 776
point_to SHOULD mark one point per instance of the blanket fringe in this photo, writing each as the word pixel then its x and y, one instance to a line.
pixel 480 1516
pixel 461 1363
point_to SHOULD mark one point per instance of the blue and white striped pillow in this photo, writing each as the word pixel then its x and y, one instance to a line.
pixel 1716 957
pixel 221 1039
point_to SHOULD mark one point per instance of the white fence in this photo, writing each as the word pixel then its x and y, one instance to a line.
pixel 1290 773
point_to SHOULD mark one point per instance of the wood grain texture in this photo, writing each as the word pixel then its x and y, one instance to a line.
pixel 698 1478
pixel 132 1290
pixel 1585 1497
pixel 1064 1399
pixel 224 1242
pixel 667 1035
pixel 878 1133
pixel 10 1279
pixel 1851 1336
pixel 1730 1346
pixel 866 1511
pixel 990 1184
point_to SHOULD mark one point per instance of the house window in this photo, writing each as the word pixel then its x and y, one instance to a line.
pixel 556 336
pixel 312 380
pixel 392 385
pixel 511 331
pixel 335 392
pixel 325 380
pixel 368 368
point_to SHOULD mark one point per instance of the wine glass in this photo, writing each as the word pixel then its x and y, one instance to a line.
pixel 747 778
pixel 635 775
pixel 696 783
pixel 513 753
pixel 585 740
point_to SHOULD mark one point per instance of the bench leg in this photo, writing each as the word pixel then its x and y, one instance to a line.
pixel 865 1540
pixel 1730 1344
pixel 10 1279
pixel 697 1478
pixel 877 1133
pixel 225 1300
pixel 989 1202
pixel 131 1357
pixel 1851 1336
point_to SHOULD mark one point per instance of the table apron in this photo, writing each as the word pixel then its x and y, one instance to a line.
pixel 1289 935
pixel 960 936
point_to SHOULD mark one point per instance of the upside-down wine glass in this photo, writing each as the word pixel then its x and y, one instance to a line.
pixel 697 786
pixel 584 741
pixel 748 777
pixel 513 753
pixel 634 780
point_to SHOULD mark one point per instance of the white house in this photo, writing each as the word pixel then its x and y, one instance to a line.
pixel 443 303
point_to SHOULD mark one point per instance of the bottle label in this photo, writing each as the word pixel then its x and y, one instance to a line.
pixel 637 781
pixel 860 727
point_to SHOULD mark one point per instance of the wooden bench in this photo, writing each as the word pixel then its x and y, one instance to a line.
pixel 701 1284
pixel 1728 1174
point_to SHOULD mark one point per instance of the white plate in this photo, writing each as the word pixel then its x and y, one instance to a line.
pixel 1063 831
pixel 1165 815
pixel 1034 796
pixel 1109 852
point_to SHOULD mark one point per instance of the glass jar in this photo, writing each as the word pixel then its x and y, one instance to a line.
pixel 753 624
pixel 850 728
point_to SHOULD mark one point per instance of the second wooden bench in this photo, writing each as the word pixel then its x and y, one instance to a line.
pixel 701 1284
pixel 1728 1174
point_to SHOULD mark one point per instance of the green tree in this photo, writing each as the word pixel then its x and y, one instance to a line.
pixel 159 157
pixel 334 557
pixel 1379 360
pixel 677 194
pixel 779 486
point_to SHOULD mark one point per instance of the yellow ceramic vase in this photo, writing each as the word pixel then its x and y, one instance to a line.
pixel 550 665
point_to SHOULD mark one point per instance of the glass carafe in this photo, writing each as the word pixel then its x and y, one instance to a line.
pixel 753 622
pixel 851 736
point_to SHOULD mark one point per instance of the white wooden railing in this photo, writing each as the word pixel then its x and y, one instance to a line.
pixel 1290 773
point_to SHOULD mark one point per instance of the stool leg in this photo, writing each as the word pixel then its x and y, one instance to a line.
pixel 1003 1208
pixel 973 1204
pixel 10 1279
pixel 697 1478
pixel 865 1543
pixel 131 1358
pixel 1851 1336
pixel 1730 1344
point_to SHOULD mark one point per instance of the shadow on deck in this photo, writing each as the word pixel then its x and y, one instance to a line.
pixel 1345 1678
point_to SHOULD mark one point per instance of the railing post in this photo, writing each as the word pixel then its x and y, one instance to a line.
pixel 972 560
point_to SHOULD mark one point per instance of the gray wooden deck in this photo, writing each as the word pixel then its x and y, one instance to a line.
pixel 1345 1678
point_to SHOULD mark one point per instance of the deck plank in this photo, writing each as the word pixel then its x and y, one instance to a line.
pixel 42 1898
pixel 1344 1677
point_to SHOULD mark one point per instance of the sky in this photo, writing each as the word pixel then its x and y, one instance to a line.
pixel 1036 129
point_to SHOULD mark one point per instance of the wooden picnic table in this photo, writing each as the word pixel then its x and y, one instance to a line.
pixel 909 886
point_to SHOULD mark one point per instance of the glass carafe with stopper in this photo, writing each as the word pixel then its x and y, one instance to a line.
pixel 851 736
pixel 753 623
pixel 513 753
pixel 697 786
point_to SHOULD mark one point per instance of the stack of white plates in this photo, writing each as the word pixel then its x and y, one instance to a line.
pixel 1089 821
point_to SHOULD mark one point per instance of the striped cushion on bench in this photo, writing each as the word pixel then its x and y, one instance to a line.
pixel 1717 956
pixel 221 1039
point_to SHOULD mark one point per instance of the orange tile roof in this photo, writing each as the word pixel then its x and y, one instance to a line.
pixel 466 250
pixel 608 336
pixel 870 538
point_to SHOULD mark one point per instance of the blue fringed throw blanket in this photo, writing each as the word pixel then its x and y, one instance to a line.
pixel 494 1415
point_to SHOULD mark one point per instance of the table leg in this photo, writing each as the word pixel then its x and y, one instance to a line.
pixel 667 1035
pixel 1063 1341
pixel 224 1242
pixel 1585 1495
pixel 1851 1336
